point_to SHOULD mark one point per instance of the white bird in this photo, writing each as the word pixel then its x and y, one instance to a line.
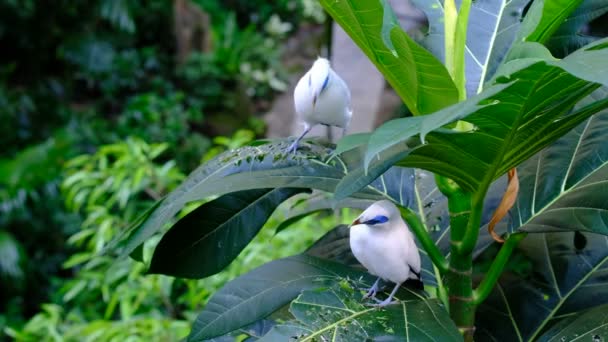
pixel 321 97
pixel 383 243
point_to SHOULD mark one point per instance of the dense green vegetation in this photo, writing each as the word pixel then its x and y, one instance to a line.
pixel 127 123
pixel 100 119
pixel 501 173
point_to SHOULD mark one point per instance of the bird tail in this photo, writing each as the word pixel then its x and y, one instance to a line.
pixel 415 284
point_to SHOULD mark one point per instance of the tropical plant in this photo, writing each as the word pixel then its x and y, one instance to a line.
pixel 499 104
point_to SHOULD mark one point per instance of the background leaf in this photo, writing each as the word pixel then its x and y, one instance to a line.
pixel 570 36
pixel 492 29
pixel 568 276
pixel 589 325
pixel 207 239
pixel 562 188
pixel 544 18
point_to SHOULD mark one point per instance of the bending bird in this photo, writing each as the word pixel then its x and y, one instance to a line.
pixel 321 97
pixel 382 242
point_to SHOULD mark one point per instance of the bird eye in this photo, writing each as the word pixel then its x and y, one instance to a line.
pixel 376 220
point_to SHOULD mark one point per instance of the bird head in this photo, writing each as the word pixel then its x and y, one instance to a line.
pixel 378 214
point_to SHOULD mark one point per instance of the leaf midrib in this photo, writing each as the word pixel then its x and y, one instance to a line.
pixel 232 217
pixel 541 211
pixel 484 68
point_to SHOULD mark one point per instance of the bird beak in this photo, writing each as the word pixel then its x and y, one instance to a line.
pixel 355 222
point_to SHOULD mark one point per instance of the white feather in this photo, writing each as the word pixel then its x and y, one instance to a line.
pixel 387 250
pixel 319 104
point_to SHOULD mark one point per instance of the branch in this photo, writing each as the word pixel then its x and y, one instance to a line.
pixel 487 284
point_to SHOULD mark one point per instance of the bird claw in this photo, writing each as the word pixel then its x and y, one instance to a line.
pixel 385 303
pixel 371 293
pixel 382 303
pixel 292 148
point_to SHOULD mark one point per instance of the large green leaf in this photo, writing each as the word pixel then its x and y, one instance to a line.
pixel 544 18
pixel 529 114
pixel 591 325
pixel 569 276
pixel 265 289
pixel 207 239
pixel 399 131
pixel 564 187
pixel 337 314
pixel 555 177
pixel 418 77
pixel 492 28
pixel 570 36
pixel 267 166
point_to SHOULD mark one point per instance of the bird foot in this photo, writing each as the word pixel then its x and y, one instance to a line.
pixel 292 148
pixel 383 303
pixel 371 293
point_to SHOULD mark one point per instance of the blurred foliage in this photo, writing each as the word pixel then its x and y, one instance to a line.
pixel 99 120
pixel 109 299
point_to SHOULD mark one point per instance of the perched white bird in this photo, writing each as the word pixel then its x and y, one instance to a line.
pixel 383 243
pixel 321 97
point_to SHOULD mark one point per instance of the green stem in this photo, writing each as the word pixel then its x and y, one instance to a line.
pixel 487 284
pixel 423 236
pixel 469 239
pixel 458 277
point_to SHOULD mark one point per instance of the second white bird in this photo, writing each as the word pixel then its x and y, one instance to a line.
pixel 321 97
pixel 382 242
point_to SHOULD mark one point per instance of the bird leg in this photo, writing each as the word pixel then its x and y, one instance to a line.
pixel 294 145
pixel 371 293
pixel 389 300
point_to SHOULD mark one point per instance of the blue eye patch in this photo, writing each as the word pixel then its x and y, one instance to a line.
pixel 376 220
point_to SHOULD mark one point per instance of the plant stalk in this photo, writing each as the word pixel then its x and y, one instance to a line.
pixel 487 284
pixel 458 276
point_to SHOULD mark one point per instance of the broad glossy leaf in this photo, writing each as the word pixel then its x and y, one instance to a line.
pixel 262 291
pixel 397 132
pixel 417 76
pixel 590 325
pixel 265 166
pixel 337 314
pixel 544 18
pixel 521 119
pixel 564 187
pixel 351 142
pixel 207 239
pixel 492 28
pixel 528 115
pixel 570 273
pixel 569 35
